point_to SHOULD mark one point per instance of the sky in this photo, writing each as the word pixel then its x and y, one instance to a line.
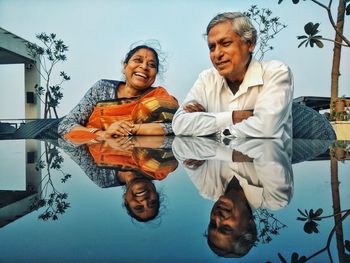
pixel 100 33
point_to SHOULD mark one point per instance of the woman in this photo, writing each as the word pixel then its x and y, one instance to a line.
pixel 135 162
pixel 116 108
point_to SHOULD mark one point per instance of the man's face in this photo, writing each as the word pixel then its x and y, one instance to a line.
pixel 228 220
pixel 228 53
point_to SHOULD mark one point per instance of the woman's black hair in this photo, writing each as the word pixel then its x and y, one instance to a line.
pixel 135 49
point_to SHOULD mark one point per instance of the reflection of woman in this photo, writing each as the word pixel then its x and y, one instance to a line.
pixel 141 198
pixel 131 161
pixel 116 108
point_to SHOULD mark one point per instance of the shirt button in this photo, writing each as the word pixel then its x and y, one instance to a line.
pixel 226 132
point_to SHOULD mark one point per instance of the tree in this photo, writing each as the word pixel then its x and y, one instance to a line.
pixel 267 26
pixel 53 202
pixel 54 52
pixel 313 38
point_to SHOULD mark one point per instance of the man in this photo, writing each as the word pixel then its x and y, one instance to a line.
pixel 241 176
pixel 240 96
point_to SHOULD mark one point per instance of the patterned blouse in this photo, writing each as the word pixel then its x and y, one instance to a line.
pixel 102 90
pixel 81 155
pixel 103 177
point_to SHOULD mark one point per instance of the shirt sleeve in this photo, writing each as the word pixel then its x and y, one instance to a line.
pixel 80 114
pixel 273 106
pixel 199 123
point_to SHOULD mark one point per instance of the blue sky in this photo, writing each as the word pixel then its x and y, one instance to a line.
pixel 99 33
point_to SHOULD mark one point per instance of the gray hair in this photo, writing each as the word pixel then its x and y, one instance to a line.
pixel 241 25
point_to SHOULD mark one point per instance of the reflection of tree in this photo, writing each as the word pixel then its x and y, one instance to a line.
pixel 340 150
pixel 310 217
pixel 54 201
pixel 295 256
pixel 267 225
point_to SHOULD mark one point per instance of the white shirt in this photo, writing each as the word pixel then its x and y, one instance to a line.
pixel 267 181
pixel 267 89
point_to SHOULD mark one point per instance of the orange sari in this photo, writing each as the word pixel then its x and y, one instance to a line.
pixel 155 163
pixel 156 105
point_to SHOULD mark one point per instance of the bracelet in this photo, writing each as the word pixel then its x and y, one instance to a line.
pixel 94 130
pixel 135 130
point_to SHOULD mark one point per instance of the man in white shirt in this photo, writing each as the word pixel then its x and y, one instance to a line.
pixel 241 177
pixel 239 96
pixel 265 175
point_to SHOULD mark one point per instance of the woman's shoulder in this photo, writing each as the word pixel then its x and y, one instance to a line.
pixel 161 90
pixel 107 83
pixel 104 89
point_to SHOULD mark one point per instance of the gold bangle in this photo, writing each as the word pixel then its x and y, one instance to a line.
pixel 134 132
pixel 94 130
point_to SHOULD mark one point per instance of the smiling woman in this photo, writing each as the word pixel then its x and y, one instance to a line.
pixel 121 108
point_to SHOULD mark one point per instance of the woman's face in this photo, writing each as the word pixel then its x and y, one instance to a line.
pixel 141 69
pixel 142 198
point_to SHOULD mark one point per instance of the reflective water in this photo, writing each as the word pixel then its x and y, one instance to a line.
pixel 278 197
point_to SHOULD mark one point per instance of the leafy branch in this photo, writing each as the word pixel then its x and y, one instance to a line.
pixel 310 217
pixel 54 51
pixel 311 29
pixel 316 216
pixel 267 225
pixel 54 201
pixel 268 27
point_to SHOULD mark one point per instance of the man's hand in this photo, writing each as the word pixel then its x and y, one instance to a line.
pixel 240 115
pixel 239 157
pixel 193 106
pixel 193 164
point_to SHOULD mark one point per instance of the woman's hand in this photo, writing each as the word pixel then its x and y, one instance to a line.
pixel 121 143
pixel 119 128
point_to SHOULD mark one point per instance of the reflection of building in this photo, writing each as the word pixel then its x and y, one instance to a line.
pixel 17 203
pixel 13 51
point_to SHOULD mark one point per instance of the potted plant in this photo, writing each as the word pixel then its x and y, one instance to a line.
pixel 340 109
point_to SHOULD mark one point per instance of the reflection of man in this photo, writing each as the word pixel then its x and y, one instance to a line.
pixel 240 177
pixel 240 96
pixel 231 230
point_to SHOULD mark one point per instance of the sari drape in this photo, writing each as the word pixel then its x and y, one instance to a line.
pixel 156 105
pixel 155 163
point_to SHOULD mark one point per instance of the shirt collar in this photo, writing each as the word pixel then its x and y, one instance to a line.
pixel 253 76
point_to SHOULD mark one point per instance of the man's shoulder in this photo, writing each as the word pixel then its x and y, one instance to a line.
pixel 210 72
pixel 210 75
pixel 273 65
